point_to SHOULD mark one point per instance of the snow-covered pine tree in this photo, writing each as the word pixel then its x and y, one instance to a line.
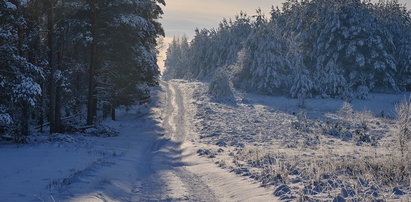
pixel 211 49
pixel 73 38
pixel 344 45
pixel 128 55
pixel 346 48
pixel 198 59
pixel 109 46
pixel 395 24
pixel 183 56
pixel 57 44
pixel 171 61
pixel 239 31
pixel 301 85
pixel 263 66
pixel 177 59
pixel 324 54
pixel 18 77
pixel 367 60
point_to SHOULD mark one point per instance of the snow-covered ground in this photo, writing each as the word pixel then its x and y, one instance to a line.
pixel 321 152
pixel 152 158
pixel 190 145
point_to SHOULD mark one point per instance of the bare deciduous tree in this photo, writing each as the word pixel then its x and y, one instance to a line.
pixel 403 111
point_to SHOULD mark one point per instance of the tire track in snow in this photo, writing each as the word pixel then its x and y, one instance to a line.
pixel 213 182
pixel 171 112
pixel 175 123
pixel 180 132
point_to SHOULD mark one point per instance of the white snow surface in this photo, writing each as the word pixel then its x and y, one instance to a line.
pixel 301 153
pixel 152 158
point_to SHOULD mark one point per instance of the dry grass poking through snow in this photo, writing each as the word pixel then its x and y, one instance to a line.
pixel 326 176
pixel 339 153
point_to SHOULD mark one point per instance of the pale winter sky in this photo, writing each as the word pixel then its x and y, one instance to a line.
pixel 183 16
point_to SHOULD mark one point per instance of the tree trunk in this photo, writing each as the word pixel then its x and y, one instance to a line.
pixel 77 108
pixel 42 107
pixel 113 113
pixel 34 52
pixel 57 112
pixel 52 85
pixel 25 116
pixel 91 100
pixel 58 86
pixel 25 119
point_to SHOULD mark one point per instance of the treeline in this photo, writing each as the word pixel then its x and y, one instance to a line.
pixel 324 48
pixel 62 59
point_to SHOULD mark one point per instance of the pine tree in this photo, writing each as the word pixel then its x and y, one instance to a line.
pixel 128 65
pixel 177 59
pixel 301 85
pixel 209 50
pixel 395 25
pixel 373 64
pixel 18 77
pixel 264 65
pixel 171 60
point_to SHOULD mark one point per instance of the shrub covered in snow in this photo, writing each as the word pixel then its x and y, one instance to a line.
pixel 346 111
pixel 220 86
pixel 101 131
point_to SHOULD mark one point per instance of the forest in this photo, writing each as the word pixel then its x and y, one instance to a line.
pixel 308 103
pixel 316 48
pixel 67 63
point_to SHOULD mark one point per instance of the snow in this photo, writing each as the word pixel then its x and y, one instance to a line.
pixel 219 184
pixel 5 119
pixel 145 57
pixel 272 140
pixel 30 171
pixel 152 158
pixel 134 21
pixel 26 90
pixel 188 144
pixel 10 5
pixel 23 2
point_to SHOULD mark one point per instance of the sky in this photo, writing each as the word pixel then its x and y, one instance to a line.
pixel 181 17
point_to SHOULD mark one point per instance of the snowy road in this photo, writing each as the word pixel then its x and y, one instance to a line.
pixel 174 123
pixel 202 179
pixel 151 159
pixel 152 167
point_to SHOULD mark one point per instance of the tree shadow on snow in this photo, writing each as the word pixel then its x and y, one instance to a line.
pixel 138 176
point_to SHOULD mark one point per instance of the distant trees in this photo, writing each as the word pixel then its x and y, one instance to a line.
pixel 327 48
pixel 208 50
pixel 60 59
pixel 177 59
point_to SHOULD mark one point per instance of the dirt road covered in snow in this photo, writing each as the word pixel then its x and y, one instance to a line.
pixel 159 164
pixel 201 178
pixel 152 158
